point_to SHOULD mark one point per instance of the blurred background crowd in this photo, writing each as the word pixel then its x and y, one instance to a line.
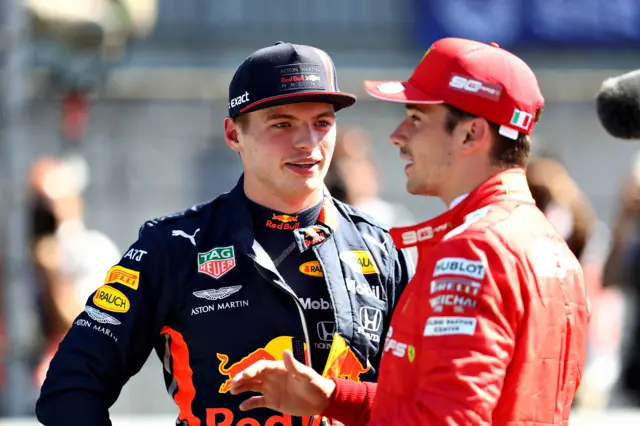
pixel 112 114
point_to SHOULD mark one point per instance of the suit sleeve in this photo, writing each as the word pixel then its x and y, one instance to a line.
pixel 466 336
pixel 111 339
pixel 352 402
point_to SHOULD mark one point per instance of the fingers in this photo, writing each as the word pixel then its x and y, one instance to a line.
pixel 253 403
pixel 291 364
pixel 256 371
pixel 246 386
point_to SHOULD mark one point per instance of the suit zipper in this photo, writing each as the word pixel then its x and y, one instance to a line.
pixel 265 261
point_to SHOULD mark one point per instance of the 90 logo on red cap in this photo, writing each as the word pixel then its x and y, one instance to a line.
pixel 487 90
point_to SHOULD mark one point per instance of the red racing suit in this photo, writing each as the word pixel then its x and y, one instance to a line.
pixel 492 330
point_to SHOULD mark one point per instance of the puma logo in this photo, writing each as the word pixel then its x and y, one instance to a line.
pixel 181 233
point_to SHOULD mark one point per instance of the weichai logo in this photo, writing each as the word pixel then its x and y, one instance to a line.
pixel 225 417
pixel 313 269
pixel 283 222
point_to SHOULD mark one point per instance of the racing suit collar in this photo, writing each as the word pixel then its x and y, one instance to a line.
pixel 241 220
pixel 457 200
pixel 510 184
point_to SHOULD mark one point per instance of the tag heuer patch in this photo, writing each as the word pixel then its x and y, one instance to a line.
pixel 217 261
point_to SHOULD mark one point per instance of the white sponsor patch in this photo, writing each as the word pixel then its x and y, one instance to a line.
pixel 460 266
pixel 458 302
pixel 457 285
pixel 449 326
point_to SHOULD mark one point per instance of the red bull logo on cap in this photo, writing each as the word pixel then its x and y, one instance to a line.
pixel 272 352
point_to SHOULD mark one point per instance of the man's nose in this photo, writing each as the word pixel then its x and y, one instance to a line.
pixel 398 137
pixel 308 137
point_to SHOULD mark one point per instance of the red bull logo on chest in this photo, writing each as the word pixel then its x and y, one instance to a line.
pixel 217 261
pixel 283 222
pixel 272 351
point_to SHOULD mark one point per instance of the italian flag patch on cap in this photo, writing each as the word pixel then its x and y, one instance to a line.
pixel 521 119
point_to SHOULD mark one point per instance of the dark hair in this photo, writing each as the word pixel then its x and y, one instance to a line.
pixel 242 121
pixel 505 151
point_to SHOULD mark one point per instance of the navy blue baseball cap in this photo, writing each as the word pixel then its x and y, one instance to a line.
pixel 285 73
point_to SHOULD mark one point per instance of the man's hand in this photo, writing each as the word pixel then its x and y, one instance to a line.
pixel 286 386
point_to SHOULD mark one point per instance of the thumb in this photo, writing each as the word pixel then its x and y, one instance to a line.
pixel 291 363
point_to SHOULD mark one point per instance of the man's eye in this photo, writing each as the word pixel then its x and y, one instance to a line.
pixel 281 125
pixel 324 123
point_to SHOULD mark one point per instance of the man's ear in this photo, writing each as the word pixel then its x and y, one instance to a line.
pixel 477 135
pixel 232 135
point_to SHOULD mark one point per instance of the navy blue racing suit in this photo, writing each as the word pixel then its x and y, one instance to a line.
pixel 198 288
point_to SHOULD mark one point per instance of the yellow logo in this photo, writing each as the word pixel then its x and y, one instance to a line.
pixel 411 353
pixel 360 259
pixel 313 269
pixel 110 299
pixel 124 276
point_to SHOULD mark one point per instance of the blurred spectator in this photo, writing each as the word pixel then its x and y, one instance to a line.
pixel 622 271
pixel 70 261
pixel 569 210
pixel 353 178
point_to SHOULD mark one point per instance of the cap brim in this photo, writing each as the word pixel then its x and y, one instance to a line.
pixel 399 91
pixel 339 100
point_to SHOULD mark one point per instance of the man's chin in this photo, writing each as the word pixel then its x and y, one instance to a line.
pixel 415 189
pixel 304 186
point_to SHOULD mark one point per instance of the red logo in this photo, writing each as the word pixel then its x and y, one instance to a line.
pixel 313 236
pixel 283 222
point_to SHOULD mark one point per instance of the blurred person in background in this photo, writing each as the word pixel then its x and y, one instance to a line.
pixel 493 328
pixel 69 259
pixel 568 209
pixel 354 179
pixel 274 264
pixel 622 274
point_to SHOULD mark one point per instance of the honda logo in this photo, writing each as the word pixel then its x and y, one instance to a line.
pixel 326 330
pixel 371 318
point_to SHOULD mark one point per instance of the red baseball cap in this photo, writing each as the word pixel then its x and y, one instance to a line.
pixel 478 78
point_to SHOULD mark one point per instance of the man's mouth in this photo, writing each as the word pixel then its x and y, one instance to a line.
pixel 303 166
pixel 408 161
